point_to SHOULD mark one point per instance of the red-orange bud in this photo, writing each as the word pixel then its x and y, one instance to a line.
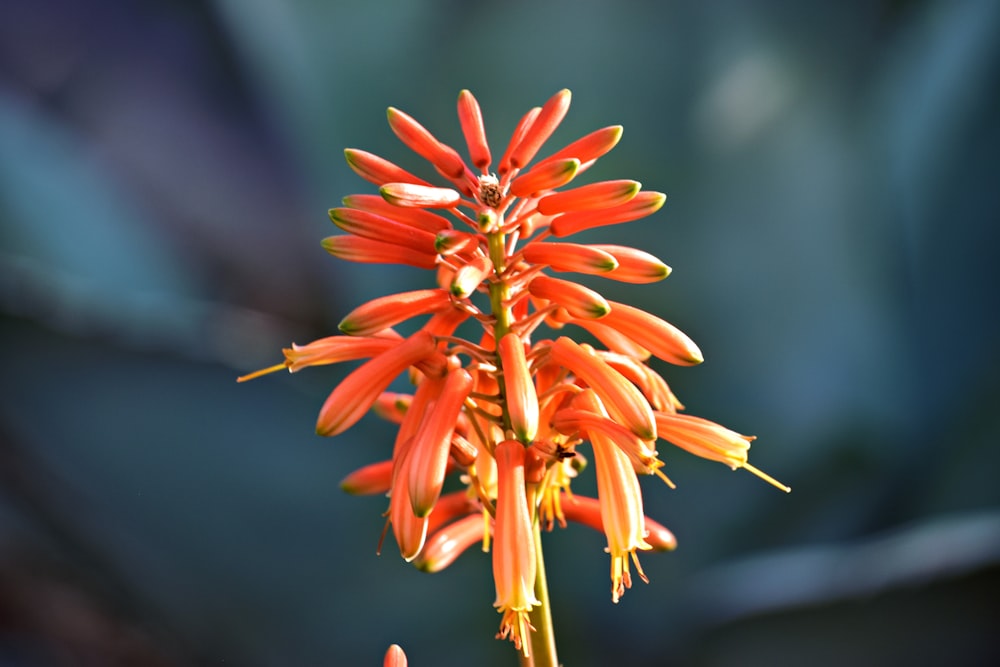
pixel 471 119
pixel 362 387
pixel 419 196
pixel 658 336
pixel 386 311
pixel 580 301
pixel 378 170
pixel 522 401
pixel 641 205
pixel 589 197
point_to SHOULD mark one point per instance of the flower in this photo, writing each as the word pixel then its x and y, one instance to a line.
pixel 394 657
pixel 510 410
pixel 513 551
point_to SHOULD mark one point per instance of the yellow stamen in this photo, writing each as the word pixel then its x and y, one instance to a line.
pixel 659 473
pixel 263 371
pixel 767 478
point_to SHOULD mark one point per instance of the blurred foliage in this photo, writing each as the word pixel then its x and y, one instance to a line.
pixel 165 168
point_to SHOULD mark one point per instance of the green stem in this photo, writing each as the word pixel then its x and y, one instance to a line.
pixel 543 638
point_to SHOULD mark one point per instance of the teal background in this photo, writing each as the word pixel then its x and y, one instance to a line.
pixel 832 222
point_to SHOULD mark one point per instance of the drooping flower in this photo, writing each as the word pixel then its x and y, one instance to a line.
pixel 513 546
pixel 508 410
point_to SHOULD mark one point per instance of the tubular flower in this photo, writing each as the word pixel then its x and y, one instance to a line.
pixel 394 657
pixel 513 550
pixel 507 410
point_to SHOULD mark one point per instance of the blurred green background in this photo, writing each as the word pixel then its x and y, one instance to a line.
pixel 832 222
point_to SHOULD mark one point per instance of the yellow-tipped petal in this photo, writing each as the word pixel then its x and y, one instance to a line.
pixel 578 300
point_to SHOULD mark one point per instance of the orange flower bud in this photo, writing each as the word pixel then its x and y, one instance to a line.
pixel 570 257
pixel 429 451
pixel 515 139
pixel 470 276
pixel 635 266
pixel 580 301
pixel 663 339
pixel 378 228
pixel 409 530
pixel 590 147
pixel 361 388
pixel 357 249
pixel 471 119
pixel 394 657
pixel 386 311
pixel 628 406
pixel 541 178
pixel 541 129
pixel 451 241
pixel 589 197
pixel 378 170
pixel 419 196
pixel 522 402
pixel 414 217
pixel 650 383
pixel 422 142
pixel 372 479
pixel 614 340
pixel 641 205
pixel 392 407
pixel 448 543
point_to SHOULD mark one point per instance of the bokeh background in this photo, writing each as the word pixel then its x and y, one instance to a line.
pixel 832 222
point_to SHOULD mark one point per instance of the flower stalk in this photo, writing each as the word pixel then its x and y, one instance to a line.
pixel 506 411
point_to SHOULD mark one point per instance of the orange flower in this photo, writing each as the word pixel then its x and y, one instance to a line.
pixel 409 529
pixel 621 505
pixel 634 266
pixel 587 511
pixel 540 129
pixel 591 197
pixel 712 441
pixel 639 206
pixel 445 545
pixel 617 394
pixel 371 479
pixel 367 251
pixel 420 141
pixel 570 257
pixel 522 402
pixel 378 170
pixel 379 228
pixel 511 418
pixel 578 300
pixel 552 175
pixel 471 119
pixel 661 338
pixel 432 442
pixel 386 311
pixel 359 390
pixel 394 657
pixel 419 196
pixel 414 217
pixel 513 547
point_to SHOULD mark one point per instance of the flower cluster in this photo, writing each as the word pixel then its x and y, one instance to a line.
pixel 508 411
